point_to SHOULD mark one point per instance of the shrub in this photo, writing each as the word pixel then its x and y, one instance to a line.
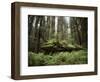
pixel 58 58
pixel 36 59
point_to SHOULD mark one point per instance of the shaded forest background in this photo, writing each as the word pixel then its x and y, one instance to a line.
pixel 50 35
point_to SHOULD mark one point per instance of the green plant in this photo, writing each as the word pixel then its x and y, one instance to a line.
pixel 57 58
pixel 36 59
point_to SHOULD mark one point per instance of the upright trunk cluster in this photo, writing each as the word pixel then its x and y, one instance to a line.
pixel 70 30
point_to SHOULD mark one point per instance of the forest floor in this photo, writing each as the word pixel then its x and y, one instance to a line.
pixel 57 58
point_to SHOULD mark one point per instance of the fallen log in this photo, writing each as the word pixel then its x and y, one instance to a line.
pixel 59 49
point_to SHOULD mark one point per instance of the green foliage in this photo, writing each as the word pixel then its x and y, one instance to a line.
pixel 36 59
pixel 58 58
pixel 51 43
pixel 62 43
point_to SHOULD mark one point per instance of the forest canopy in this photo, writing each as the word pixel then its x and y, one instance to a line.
pixel 56 34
